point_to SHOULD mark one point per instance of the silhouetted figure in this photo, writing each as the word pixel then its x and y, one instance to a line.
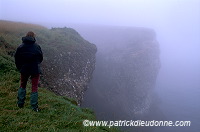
pixel 27 59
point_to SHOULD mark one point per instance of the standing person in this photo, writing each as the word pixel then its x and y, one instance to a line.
pixel 27 59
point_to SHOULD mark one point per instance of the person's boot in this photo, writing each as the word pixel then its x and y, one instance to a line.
pixel 21 97
pixel 34 101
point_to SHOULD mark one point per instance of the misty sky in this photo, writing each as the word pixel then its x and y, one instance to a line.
pixel 176 22
pixel 144 13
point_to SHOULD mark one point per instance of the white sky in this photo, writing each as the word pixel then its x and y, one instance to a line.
pixel 108 12
pixel 177 22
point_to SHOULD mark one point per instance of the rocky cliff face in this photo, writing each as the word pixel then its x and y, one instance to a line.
pixel 68 68
pixel 132 72
pixel 126 70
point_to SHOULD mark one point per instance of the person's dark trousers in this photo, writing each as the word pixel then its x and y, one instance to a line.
pixel 22 90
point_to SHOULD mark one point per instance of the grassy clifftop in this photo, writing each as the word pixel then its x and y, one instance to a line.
pixel 58 113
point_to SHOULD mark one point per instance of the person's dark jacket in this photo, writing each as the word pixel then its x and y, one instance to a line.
pixel 28 56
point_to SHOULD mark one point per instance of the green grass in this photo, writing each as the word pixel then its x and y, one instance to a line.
pixel 58 113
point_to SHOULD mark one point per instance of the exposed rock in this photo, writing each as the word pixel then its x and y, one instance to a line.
pixel 126 70
pixel 133 72
pixel 68 69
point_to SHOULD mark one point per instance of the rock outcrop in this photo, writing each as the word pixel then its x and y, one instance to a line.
pixel 68 67
pixel 126 71
pixel 132 72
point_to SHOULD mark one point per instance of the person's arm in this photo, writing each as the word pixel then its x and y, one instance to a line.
pixel 17 59
pixel 40 54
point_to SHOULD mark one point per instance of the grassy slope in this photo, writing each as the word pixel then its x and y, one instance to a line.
pixel 57 114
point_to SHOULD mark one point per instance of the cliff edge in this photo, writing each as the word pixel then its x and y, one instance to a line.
pixel 69 64
pixel 69 60
pixel 58 113
pixel 127 65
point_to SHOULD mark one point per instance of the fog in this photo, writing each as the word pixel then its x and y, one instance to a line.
pixel 176 23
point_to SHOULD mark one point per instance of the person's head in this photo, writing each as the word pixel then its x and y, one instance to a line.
pixel 30 34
